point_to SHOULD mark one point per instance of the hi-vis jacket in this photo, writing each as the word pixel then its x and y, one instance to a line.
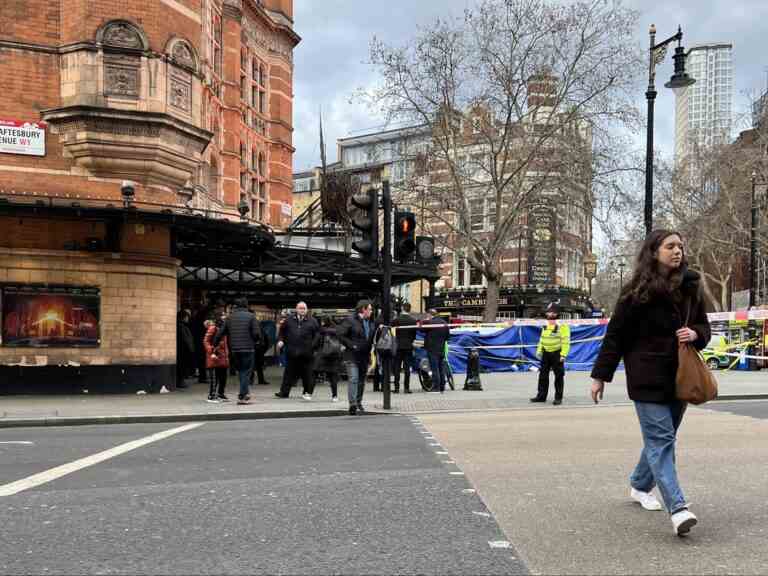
pixel 553 338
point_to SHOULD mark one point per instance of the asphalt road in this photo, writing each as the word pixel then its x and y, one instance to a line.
pixel 752 408
pixel 346 495
pixel 557 481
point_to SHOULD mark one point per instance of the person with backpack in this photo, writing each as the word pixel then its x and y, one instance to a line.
pixel 328 357
pixel 405 334
pixel 356 335
pixel 553 348
pixel 244 334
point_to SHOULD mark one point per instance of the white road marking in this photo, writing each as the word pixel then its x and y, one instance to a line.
pixel 449 462
pixel 435 444
pixel 499 544
pixel 468 491
pixel 69 468
pixel 483 514
pixel 456 473
pixel 442 453
pixel 23 442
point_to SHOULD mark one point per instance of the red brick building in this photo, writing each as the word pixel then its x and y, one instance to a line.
pixel 188 100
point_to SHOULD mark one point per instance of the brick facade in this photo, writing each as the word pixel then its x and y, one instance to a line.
pixel 189 99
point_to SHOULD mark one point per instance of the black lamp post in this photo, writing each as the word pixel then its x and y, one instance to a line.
pixel 679 80
pixel 621 275
pixel 753 245
pixel 590 270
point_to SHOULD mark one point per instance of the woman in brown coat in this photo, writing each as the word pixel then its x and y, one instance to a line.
pixel 217 363
pixel 659 309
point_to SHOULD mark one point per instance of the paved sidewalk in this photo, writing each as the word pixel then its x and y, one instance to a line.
pixel 500 391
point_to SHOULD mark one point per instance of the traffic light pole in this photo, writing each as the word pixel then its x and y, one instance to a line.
pixel 386 288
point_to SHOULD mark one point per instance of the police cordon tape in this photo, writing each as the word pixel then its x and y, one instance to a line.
pixel 740 315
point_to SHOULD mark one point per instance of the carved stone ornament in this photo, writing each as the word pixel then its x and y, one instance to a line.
pixel 182 54
pixel 122 35
pixel 180 92
pixel 121 81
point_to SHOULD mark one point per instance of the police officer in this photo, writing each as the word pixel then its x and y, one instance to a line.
pixel 554 344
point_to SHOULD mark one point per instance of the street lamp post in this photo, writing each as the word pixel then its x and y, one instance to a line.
pixel 621 275
pixel 590 270
pixel 679 80
pixel 753 244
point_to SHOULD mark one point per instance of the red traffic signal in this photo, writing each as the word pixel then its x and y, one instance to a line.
pixel 405 235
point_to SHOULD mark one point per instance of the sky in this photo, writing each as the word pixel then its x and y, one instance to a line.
pixel 330 63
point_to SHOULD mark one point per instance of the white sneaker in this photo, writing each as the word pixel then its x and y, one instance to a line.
pixel 334 398
pixel 683 521
pixel 646 499
pixel 307 397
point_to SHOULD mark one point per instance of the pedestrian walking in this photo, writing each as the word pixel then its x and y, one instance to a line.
pixel 197 326
pixel 356 335
pixel 185 349
pixel 553 348
pixel 328 357
pixel 244 333
pixel 217 361
pixel 259 353
pixel 299 336
pixel 659 309
pixel 405 334
pixel 435 337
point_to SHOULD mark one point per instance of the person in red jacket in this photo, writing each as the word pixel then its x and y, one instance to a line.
pixel 217 363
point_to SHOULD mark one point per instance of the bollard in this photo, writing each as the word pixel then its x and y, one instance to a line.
pixel 473 371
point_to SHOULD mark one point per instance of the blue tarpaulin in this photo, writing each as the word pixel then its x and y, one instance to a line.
pixel 521 353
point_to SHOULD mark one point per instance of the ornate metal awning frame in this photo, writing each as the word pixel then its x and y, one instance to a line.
pixel 225 255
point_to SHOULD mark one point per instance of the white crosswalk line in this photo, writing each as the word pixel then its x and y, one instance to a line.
pixel 69 468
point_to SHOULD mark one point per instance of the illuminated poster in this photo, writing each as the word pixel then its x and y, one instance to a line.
pixel 47 317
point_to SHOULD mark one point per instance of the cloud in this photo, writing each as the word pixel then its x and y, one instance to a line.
pixel 330 61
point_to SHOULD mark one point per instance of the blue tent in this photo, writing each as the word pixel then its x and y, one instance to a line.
pixel 517 347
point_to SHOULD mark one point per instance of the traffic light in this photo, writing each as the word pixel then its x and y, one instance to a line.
pixel 368 223
pixel 405 235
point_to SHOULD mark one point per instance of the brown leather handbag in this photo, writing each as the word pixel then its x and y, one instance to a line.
pixel 694 382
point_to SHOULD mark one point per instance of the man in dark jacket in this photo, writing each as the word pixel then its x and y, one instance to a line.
pixel 244 334
pixel 299 335
pixel 356 334
pixel 405 335
pixel 434 344
pixel 185 348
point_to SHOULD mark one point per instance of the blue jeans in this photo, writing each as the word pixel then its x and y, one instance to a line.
pixel 356 372
pixel 244 362
pixel 659 424
pixel 436 364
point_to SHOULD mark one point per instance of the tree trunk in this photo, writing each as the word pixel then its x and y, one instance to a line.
pixel 491 300
pixel 708 293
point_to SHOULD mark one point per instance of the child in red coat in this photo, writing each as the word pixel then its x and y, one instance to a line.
pixel 217 363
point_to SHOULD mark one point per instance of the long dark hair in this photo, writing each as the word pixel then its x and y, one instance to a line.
pixel 648 280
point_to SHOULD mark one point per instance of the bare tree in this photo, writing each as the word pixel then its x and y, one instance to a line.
pixel 518 94
pixel 710 203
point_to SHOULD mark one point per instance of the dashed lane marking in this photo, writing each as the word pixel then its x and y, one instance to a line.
pixel 22 442
pixel 499 544
pixel 69 468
